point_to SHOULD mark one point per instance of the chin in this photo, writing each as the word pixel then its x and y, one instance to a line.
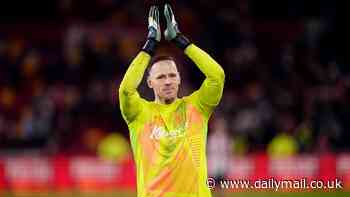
pixel 170 98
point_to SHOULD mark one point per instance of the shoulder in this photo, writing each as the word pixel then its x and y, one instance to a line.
pixel 146 103
pixel 194 101
pixel 189 99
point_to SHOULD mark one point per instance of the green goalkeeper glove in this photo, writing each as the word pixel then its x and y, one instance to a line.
pixel 154 33
pixel 172 32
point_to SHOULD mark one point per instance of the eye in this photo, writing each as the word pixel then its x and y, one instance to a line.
pixel 160 77
pixel 172 75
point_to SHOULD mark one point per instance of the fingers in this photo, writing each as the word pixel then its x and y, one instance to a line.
pixel 153 17
pixel 150 15
pixel 168 13
pixel 171 13
pixel 157 15
pixel 154 23
pixel 151 11
pixel 154 14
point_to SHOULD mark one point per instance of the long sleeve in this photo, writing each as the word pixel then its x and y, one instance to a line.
pixel 129 99
pixel 210 92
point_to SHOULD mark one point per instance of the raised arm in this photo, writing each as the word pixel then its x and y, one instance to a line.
pixel 129 99
pixel 209 94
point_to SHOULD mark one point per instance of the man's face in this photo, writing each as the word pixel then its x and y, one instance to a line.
pixel 164 79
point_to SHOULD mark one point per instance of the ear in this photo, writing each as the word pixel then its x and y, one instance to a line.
pixel 149 82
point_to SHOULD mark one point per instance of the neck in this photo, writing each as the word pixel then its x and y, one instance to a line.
pixel 165 101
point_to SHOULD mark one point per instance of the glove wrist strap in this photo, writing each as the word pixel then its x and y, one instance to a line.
pixel 150 46
pixel 181 41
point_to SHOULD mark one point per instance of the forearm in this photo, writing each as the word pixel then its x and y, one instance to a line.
pixel 129 99
pixel 209 94
pixel 134 74
pixel 131 104
pixel 208 66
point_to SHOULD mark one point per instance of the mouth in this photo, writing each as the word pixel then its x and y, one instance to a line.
pixel 168 90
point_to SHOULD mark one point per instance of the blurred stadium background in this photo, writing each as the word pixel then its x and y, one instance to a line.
pixel 285 111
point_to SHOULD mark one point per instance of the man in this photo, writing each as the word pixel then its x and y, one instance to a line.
pixel 168 135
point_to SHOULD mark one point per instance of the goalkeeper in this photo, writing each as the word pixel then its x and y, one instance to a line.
pixel 168 135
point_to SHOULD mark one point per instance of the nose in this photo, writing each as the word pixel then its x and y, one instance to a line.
pixel 168 81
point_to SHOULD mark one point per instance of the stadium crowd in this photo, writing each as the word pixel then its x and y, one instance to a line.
pixel 287 88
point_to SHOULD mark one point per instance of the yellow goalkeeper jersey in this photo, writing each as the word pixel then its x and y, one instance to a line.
pixel 169 140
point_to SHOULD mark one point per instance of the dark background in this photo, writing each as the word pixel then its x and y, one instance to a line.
pixel 286 66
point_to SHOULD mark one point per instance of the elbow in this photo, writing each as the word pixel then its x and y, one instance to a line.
pixel 126 91
pixel 123 91
pixel 120 93
pixel 221 75
pixel 218 79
